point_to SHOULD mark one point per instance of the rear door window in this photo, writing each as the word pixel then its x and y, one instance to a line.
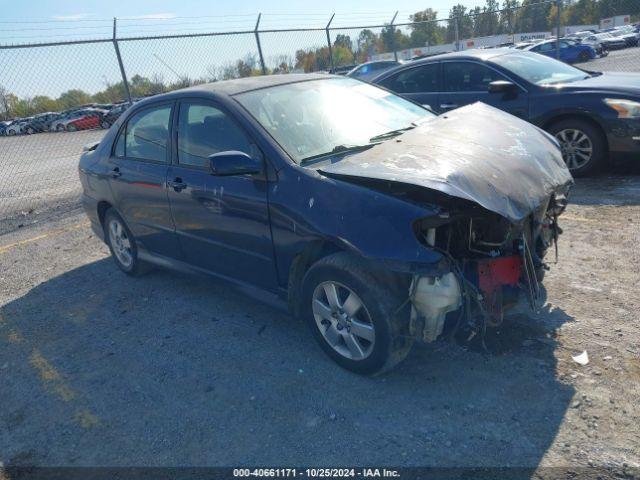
pixel 468 77
pixel 422 79
pixel 146 135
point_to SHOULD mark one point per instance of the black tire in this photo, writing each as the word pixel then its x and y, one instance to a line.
pixel 60 128
pixel 105 125
pixel 598 142
pixel 30 131
pixel 392 341
pixel 584 56
pixel 71 128
pixel 11 133
pixel 136 267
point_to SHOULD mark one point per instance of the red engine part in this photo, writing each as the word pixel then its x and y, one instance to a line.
pixel 493 274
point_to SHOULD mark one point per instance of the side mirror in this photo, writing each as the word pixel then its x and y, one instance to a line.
pixel 233 162
pixel 502 86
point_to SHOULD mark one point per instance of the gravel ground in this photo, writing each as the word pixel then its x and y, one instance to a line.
pixel 97 368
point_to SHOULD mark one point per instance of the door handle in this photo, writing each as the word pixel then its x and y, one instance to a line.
pixel 448 105
pixel 115 173
pixel 177 184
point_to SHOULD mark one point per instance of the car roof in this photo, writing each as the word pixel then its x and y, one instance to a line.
pixel 474 54
pixel 471 54
pixel 241 85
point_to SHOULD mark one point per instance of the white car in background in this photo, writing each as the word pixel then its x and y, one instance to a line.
pixel 16 127
pixel 591 39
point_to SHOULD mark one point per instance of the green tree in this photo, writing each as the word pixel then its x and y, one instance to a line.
pixel 425 30
pixel 508 15
pixel 465 23
pixel 73 98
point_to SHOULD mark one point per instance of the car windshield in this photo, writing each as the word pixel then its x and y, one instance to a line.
pixel 320 117
pixel 539 69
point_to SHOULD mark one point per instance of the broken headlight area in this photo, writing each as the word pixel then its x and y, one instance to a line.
pixel 494 263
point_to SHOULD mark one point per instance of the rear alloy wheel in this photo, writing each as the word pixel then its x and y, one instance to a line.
pixel 122 244
pixel 30 131
pixel 359 321
pixel 11 133
pixel 583 146
pixel 584 56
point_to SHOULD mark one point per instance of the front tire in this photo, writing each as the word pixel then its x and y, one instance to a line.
pixel 584 56
pixel 584 148
pixel 354 315
pixel 122 244
pixel 71 128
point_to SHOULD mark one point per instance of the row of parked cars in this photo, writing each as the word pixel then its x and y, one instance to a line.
pixel 85 117
pixel 586 45
pixel 594 116
pixel 576 47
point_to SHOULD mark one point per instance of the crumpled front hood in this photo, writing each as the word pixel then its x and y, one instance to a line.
pixel 477 152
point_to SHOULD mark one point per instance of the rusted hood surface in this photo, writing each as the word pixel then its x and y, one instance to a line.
pixel 477 152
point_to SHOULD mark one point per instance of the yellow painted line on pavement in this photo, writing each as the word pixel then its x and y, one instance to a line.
pixel 6 248
pixel 50 377
pixel 86 419
pixel 52 381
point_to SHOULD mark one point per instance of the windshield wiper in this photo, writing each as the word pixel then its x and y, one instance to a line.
pixel 338 149
pixel 392 133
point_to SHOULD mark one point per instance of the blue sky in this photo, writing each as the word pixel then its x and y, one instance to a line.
pixel 52 70
pixel 279 11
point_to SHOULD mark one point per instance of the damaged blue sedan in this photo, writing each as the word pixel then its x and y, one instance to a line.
pixel 376 221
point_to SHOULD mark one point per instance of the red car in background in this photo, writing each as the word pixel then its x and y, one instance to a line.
pixel 88 119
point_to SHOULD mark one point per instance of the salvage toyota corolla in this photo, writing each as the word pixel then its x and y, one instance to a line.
pixel 370 217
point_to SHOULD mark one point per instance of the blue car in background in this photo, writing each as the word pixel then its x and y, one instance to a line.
pixel 570 51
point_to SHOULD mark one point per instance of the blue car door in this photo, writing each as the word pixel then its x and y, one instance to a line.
pixel 222 222
pixel 137 176
pixel 467 81
pixel 421 84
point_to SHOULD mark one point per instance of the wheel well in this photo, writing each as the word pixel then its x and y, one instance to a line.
pixel 299 267
pixel 582 118
pixel 102 210
pixel 395 281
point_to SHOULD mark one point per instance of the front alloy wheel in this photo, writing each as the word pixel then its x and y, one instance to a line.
pixel 583 145
pixel 576 147
pixel 343 320
pixel 358 318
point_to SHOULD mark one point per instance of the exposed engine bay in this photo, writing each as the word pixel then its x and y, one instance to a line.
pixel 496 200
pixel 494 263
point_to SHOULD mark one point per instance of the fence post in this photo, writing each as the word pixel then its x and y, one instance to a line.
pixel 455 25
pixel 122 72
pixel 558 22
pixel 329 43
pixel 264 69
pixel 393 37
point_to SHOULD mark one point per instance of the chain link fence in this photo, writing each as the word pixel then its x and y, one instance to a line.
pixel 56 97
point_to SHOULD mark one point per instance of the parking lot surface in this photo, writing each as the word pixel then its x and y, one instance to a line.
pixel 39 175
pixel 98 368
pixel 626 60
